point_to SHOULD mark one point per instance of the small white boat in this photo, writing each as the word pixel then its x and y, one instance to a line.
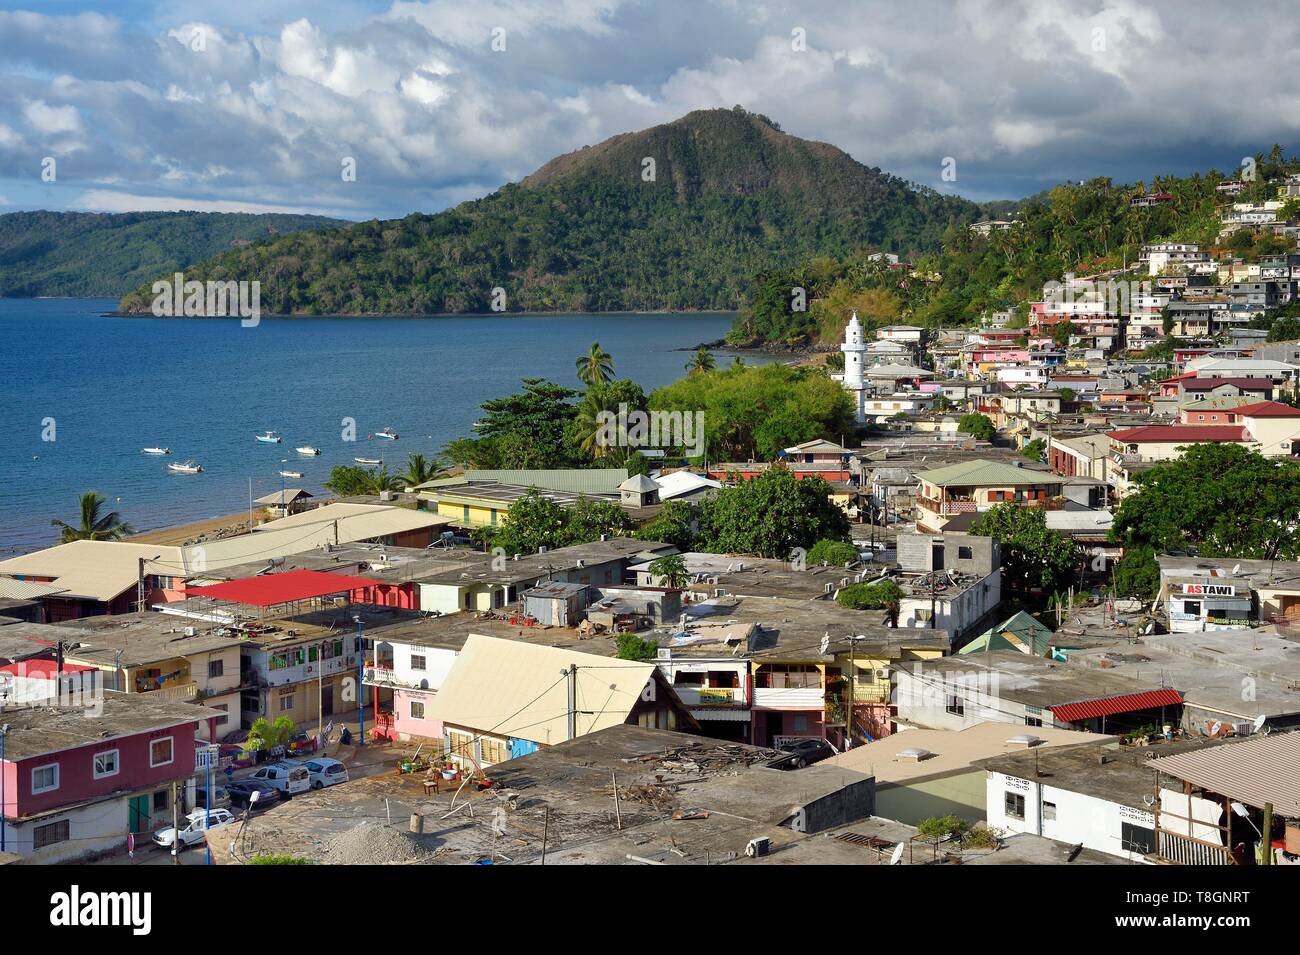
pixel 292 474
pixel 367 461
pixel 308 449
pixel 270 437
pixel 185 467
pixel 388 434
pixel 155 450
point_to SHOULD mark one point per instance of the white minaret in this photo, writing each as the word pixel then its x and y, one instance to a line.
pixel 854 349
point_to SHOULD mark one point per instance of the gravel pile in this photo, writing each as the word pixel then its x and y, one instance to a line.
pixel 371 844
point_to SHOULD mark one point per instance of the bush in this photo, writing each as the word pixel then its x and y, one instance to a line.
pixel 882 594
pixel 835 553
pixel 279 860
pixel 632 647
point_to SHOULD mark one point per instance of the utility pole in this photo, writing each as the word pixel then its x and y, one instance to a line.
pixel 1266 856
pixel 176 827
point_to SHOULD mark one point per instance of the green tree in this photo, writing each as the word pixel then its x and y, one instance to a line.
pixel 1034 557
pixel 770 515
pixel 525 430
pixel 702 361
pixel 1137 574
pixel 532 522
pixel 674 524
pixel 95 524
pixel 419 470
pixel 267 734
pixel 348 481
pixel 1062 332
pixel 836 553
pixel 1034 450
pixel 1220 500
pixel 977 426
pixel 587 520
pixel 596 367
pixel 671 569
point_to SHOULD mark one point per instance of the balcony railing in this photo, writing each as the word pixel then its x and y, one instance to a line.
pixel 789 697
pixel 1188 851
pixel 183 692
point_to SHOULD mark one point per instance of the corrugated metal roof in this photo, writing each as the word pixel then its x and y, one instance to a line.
pixel 11 589
pixel 1110 705
pixel 573 480
pixel 98 570
pixel 1265 769
pixel 982 472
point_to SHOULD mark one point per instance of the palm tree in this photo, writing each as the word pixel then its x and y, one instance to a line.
pixel 382 480
pixel 419 470
pixel 596 367
pixel 701 362
pixel 95 526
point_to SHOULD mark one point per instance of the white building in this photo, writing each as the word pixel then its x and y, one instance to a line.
pixel 854 349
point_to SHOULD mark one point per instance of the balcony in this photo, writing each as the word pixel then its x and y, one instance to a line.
pixel 789 697
pixel 385 676
pixel 701 697
pixel 183 692
pixel 948 507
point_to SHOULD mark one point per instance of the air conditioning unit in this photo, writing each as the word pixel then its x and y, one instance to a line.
pixel 882 673
pixel 758 847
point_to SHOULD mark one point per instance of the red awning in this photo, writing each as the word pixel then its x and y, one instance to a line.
pixel 1110 705
pixel 282 588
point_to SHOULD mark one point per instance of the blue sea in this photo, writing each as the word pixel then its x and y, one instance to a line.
pixel 105 387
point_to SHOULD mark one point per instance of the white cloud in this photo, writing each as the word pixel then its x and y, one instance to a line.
pixel 102 200
pixel 52 120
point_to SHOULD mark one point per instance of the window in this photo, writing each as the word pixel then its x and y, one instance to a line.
pixel 286 702
pixel 50 834
pixel 800 723
pixel 216 668
pixel 161 752
pixel 45 778
pixel 493 750
pixel 161 801
pixel 1137 839
pixel 417 661
pixel 683 678
pixel 417 710
pixel 1049 812
pixel 1033 721
pixel 465 513
pixel 1015 806
pixel 964 553
pixel 225 708
pixel 1192 607
pixel 462 744
pixel 106 764
pixel 956 705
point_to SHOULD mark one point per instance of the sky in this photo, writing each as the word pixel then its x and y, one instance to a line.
pixel 268 105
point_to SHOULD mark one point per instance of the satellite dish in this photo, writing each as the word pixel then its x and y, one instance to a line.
pixel 1148 800
pixel 897 857
pixel 825 644
pixel 1236 569
pixel 1260 721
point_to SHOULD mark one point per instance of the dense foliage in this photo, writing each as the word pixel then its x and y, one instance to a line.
pixel 754 412
pixel 770 515
pixel 84 254
pixel 1219 500
pixel 832 552
pixel 881 595
pixel 730 195
pixel 1035 558
pixel 535 521
pixel 1084 228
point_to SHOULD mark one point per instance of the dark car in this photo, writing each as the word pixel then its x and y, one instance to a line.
pixel 803 752
pixel 241 791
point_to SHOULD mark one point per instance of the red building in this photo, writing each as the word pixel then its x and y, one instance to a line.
pixel 83 772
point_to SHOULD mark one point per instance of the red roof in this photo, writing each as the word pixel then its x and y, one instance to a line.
pixel 1248 384
pixel 41 669
pixel 1110 705
pixel 1180 434
pixel 1267 409
pixel 282 588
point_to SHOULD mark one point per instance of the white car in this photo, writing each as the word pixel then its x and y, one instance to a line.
pixel 289 778
pixel 324 771
pixel 194 829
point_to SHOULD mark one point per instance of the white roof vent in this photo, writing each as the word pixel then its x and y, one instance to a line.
pixel 1024 739
pixel 914 753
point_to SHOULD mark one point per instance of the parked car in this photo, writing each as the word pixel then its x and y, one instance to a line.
pixel 195 828
pixel 241 791
pixel 803 752
pixel 324 771
pixel 220 798
pixel 301 744
pixel 288 778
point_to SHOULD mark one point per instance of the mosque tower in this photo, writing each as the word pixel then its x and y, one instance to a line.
pixel 855 350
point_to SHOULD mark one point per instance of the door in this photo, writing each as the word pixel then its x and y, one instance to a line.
pixel 327 701
pixel 139 814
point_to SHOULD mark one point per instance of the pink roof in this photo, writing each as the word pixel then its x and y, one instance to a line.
pixel 271 589
pixel 1180 434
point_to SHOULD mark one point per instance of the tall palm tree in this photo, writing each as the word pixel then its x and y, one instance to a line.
pixel 596 367
pixel 702 361
pixel 420 469
pixel 95 525
pixel 381 480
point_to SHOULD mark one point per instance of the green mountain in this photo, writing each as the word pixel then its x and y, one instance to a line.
pixel 92 254
pixel 601 229
pixel 1088 228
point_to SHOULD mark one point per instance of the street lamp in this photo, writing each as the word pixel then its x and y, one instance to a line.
pixel 361 683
